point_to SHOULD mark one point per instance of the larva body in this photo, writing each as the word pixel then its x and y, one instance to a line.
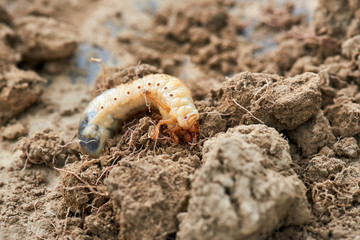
pixel 106 111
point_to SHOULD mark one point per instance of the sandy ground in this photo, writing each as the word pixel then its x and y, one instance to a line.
pixel 276 85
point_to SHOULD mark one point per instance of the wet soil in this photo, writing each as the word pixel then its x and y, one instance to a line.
pixel 277 88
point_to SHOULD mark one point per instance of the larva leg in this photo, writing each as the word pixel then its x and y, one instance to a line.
pixel 157 128
pixel 173 134
pixel 194 138
pixel 164 106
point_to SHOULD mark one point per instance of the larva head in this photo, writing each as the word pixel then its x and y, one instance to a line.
pixel 92 138
pixel 187 116
pixel 190 128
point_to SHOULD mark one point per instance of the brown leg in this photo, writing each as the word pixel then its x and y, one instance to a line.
pixel 173 134
pixel 164 106
pixel 195 138
pixel 157 128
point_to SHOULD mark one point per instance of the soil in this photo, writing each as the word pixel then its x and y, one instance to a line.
pixel 277 88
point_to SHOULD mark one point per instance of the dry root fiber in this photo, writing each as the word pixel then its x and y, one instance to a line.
pixel 336 195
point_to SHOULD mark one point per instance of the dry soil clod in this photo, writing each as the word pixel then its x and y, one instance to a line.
pixel 245 189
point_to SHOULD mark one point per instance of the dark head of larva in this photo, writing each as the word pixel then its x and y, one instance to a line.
pixel 89 145
pixel 92 136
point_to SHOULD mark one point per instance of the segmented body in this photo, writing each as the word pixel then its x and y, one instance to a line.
pixel 106 111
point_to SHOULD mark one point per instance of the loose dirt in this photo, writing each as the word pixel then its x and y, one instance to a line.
pixel 277 88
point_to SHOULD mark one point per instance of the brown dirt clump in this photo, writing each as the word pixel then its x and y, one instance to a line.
pixel 286 54
pixel 335 81
pixel 281 18
pixel 148 194
pixel 340 191
pixel 304 64
pixel 246 62
pixel 46 148
pixel 237 194
pixel 351 47
pixel 82 194
pixel 322 46
pixel 13 131
pixel 18 90
pixel 334 18
pixel 9 45
pixel 118 75
pixel 78 187
pixel 347 147
pixel 45 38
pixel 26 188
pixel 211 121
pixel 343 116
pixel 5 16
pixel 341 71
pixel 207 32
pixel 195 44
pixel 320 168
pixel 283 103
pixel 135 135
pixel 133 139
pixel 9 40
pixel 313 135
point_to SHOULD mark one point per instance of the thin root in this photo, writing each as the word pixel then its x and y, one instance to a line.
pixel 243 108
pixel 90 187
pixel 66 220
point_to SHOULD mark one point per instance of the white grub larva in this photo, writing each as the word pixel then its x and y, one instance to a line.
pixel 166 93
